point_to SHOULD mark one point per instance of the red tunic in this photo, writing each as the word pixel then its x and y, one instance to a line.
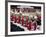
pixel 18 19
pixel 26 22
pixel 33 26
pixel 29 26
pixel 22 20
pixel 13 18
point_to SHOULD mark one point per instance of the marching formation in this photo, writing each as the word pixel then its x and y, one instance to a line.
pixel 26 17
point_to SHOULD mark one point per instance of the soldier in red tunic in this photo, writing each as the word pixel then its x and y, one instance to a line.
pixel 22 19
pixel 14 18
pixel 33 24
pixel 26 23
pixel 18 19
pixel 29 25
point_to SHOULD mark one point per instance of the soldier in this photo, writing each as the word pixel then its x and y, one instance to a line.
pixel 33 24
pixel 22 19
pixel 18 19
